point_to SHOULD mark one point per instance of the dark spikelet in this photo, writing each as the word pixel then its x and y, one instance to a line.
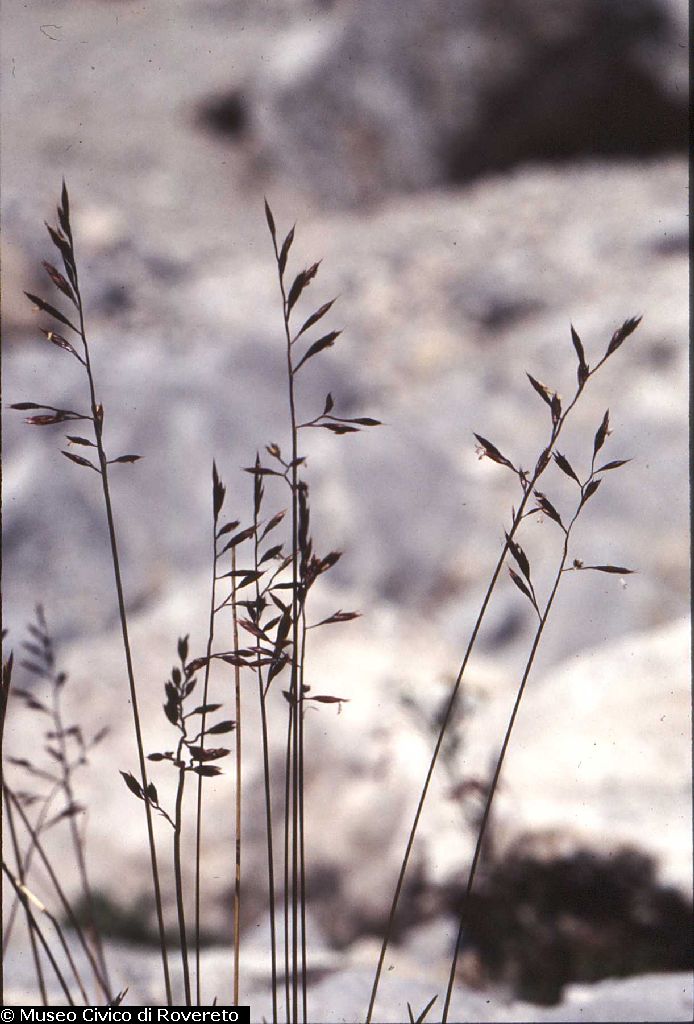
pixel 327 341
pixel 238 538
pixel 80 460
pixel 583 368
pixel 617 570
pixel 612 465
pixel 207 754
pixel 315 317
pixel 64 211
pixel 207 770
pixel 340 428
pixel 270 221
pixel 46 307
pixel 272 523
pixel 338 616
pixel 132 784
pixel 59 281
pixel 543 391
pixel 61 342
pixel 218 492
pixel 125 458
pixel 601 433
pixel 565 466
pixel 228 527
pixel 284 251
pixel 301 281
pixel 182 648
pixel 519 555
pixel 46 419
pixel 622 333
pixel 548 508
pixel 222 727
pixel 492 452
pixel 205 709
pixel 590 490
pixel 521 585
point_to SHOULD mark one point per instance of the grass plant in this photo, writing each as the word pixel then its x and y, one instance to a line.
pixel 528 481
pixel 262 575
pixel 44 415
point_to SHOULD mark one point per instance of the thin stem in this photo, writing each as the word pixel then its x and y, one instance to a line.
pixel 296 695
pixel 237 845
pixel 268 789
pixel 22 881
pixel 51 918
pixel 541 465
pixel 287 806
pixel 97 419
pixel 78 845
pixel 499 765
pixel 179 875
pixel 10 798
pixel 5 686
pixel 302 834
pixel 22 894
pixel 26 864
pixel 198 809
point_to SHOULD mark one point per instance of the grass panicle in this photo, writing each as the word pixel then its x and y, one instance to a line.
pixel 68 284
pixel 262 575
pixel 586 489
pixel 528 482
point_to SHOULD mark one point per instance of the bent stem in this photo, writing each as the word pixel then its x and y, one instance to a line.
pixel 23 871
pixel 11 801
pixel 22 881
pixel 25 897
pixel 558 420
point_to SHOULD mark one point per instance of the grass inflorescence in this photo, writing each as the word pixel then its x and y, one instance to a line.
pixel 264 567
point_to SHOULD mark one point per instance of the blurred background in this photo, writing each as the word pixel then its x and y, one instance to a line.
pixel 475 177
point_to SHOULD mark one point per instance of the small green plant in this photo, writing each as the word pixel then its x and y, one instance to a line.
pixel 262 574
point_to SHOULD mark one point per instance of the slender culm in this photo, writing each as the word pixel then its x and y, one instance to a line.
pixel 528 484
pixel 237 784
pixel 218 493
pixel 63 240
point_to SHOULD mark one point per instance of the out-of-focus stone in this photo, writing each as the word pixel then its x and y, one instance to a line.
pixel 356 103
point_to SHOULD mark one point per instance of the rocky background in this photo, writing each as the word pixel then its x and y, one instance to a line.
pixel 475 177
